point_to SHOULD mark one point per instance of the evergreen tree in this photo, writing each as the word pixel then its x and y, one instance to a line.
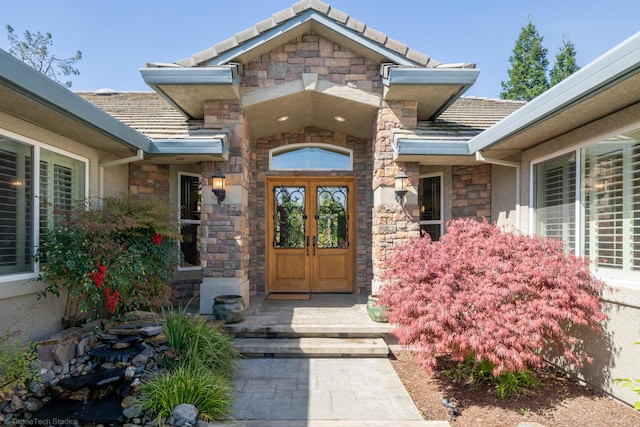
pixel 34 51
pixel 565 62
pixel 529 63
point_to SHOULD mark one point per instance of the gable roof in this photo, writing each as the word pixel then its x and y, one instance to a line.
pixel 300 18
pixel 217 73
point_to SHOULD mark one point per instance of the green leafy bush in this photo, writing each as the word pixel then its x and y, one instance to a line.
pixel 19 363
pixel 199 362
pixel 110 259
pixel 192 341
pixel 507 384
pixel 206 389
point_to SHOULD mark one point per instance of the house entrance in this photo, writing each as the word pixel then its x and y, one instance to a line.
pixel 310 234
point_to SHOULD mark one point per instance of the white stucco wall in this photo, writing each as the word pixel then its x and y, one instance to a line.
pixel 20 308
pixel 614 352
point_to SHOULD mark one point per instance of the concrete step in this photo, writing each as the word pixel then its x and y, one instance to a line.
pixel 284 330
pixel 312 347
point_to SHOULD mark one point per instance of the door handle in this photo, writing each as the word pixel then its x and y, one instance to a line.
pixel 314 245
pixel 307 245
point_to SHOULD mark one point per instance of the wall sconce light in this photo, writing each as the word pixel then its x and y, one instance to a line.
pixel 400 187
pixel 218 185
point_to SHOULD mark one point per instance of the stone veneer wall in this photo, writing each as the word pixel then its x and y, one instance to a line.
pixel 471 192
pixel 147 179
pixel 362 170
pixel 311 53
pixel 224 227
pixel 392 225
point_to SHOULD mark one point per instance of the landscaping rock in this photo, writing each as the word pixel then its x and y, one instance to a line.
pixel 185 413
pixel 129 372
pixel 140 360
pixel 32 404
pixel 64 352
pixel 132 411
pixel 150 331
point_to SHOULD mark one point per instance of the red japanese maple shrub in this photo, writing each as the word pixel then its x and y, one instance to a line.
pixel 491 295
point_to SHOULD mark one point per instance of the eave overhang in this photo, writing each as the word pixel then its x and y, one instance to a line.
pixel 31 96
pixel 606 85
pixel 190 150
pixel 187 89
pixel 434 89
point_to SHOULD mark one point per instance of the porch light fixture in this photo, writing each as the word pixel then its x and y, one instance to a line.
pixel 283 118
pixel 340 119
pixel 400 187
pixel 218 185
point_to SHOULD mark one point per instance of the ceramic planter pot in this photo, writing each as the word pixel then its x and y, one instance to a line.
pixel 376 313
pixel 230 308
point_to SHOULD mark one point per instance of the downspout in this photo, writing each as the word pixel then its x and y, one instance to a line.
pixel 101 166
pixel 481 158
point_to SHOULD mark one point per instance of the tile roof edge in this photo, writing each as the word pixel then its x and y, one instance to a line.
pixel 302 6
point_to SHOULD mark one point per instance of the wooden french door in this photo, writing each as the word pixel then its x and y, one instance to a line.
pixel 310 234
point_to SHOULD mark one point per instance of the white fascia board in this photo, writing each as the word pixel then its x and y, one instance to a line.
pixel 431 76
pixel 430 147
pixel 609 69
pixel 189 76
pixel 26 81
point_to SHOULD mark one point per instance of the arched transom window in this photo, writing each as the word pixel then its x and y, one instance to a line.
pixel 310 157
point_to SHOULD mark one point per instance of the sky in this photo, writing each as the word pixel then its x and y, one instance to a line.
pixel 117 37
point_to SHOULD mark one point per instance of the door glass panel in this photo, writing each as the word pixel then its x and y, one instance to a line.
pixel 289 217
pixel 332 217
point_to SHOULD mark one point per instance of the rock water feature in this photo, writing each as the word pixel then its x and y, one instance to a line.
pixel 89 375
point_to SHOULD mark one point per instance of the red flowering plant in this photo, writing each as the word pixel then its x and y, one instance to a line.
pixel 496 298
pixel 110 259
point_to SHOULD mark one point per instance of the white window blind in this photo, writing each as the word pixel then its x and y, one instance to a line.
pixel 555 199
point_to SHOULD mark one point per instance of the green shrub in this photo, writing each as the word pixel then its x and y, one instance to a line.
pixel 193 341
pixel 507 384
pixel 199 363
pixel 206 389
pixel 111 258
pixel 19 364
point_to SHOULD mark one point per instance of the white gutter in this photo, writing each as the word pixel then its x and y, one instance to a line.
pixel 101 166
pixel 481 158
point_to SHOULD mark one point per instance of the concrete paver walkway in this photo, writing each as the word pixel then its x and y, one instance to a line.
pixel 317 391
pixel 326 389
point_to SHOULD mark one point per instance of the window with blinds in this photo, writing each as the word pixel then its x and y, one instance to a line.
pixel 62 182
pixel 608 176
pixel 556 198
pixel 609 187
pixel 15 208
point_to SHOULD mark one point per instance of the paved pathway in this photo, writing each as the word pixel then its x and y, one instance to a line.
pixel 326 389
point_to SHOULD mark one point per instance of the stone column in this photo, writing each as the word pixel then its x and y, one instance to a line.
pixel 392 224
pixel 224 227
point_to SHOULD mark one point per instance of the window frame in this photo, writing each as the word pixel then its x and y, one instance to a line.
pixel 188 221
pixel 300 146
pixel 35 195
pixel 441 221
pixel 606 274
